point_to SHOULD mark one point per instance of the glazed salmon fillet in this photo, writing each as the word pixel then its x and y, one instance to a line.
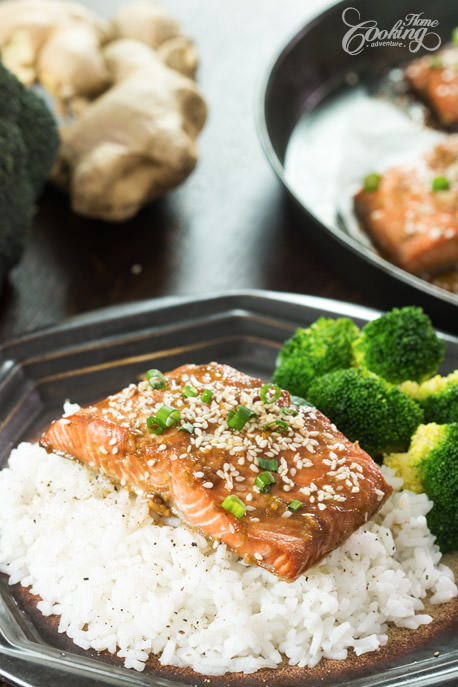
pixel 415 226
pixel 323 486
pixel 435 80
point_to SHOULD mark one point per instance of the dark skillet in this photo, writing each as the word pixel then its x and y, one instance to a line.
pixel 313 67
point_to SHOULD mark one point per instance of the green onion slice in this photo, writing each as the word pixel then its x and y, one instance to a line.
pixel 168 416
pixel 268 463
pixel 206 396
pixel 299 401
pixel 295 505
pixel 371 181
pixel 455 36
pixel 188 391
pixel 435 62
pixel 290 411
pixel 270 393
pixel 440 184
pixel 234 505
pixel 237 419
pixel 156 379
pixel 186 427
pixel 264 481
pixel 154 425
pixel 276 426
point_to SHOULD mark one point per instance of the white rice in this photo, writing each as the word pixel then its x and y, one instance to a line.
pixel 122 583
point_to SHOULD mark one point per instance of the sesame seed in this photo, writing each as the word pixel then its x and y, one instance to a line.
pixel 207 485
pixel 257 556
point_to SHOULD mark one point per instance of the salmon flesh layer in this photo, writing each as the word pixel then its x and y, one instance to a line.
pixel 413 224
pixel 435 79
pixel 192 466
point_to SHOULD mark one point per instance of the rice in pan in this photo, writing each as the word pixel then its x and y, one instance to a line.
pixel 123 583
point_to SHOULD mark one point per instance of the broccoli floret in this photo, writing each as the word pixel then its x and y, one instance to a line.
pixel 400 345
pixel 28 146
pixel 16 196
pixel 367 409
pixel 437 396
pixel 432 460
pixel 35 122
pixel 405 465
pixel 323 347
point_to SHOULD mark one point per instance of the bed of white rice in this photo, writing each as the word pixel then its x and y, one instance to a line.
pixel 122 583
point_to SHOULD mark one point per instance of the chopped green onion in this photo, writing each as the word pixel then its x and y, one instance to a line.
pixel 440 184
pixel 290 411
pixel 156 379
pixel 206 396
pixel 264 481
pixel 295 505
pixel 276 426
pixel 237 419
pixel 154 425
pixel 435 62
pixel 234 505
pixel 168 416
pixel 371 181
pixel 299 401
pixel 455 36
pixel 270 393
pixel 186 427
pixel 268 463
pixel 188 391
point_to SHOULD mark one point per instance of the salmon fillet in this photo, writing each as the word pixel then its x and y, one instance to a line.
pixel 435 80
pixel 415 226
pixel 338 484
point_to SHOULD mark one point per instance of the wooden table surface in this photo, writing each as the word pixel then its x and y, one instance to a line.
pixel 229 226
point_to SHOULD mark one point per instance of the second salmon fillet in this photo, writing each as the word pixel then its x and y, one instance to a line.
pixel 279 484
pixel 412 214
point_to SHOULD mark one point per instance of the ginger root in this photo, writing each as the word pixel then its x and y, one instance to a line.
pixel 28 26
pixel 136 141
pixel 145 22
pixel 150 24
pixel 129 90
